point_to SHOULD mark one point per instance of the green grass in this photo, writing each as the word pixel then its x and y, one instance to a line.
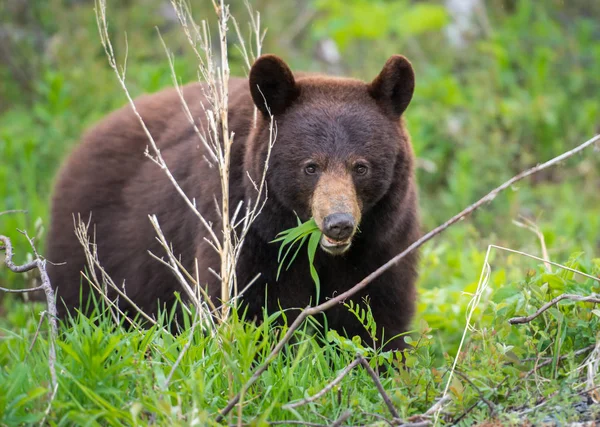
pixel 521 93
pixel 111 375
pixel 296 237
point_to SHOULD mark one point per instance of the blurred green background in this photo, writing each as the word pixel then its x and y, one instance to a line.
pixel 501 86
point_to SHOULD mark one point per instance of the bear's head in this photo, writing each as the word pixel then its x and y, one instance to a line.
pixel 340 143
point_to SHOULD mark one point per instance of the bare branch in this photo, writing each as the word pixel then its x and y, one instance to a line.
pixel 488 402
pixel 345 415
pixel 40 264
pixel 526 319
pixel 379 386
pixel 325 389
pixel 22 291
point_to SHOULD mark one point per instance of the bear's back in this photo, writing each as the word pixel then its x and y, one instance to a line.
pixel 110 181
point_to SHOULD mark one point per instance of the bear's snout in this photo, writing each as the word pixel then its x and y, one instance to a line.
pixel 336 210
pixel 338 226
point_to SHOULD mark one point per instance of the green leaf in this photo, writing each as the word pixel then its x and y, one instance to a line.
pixel 297 236
pixel 313 244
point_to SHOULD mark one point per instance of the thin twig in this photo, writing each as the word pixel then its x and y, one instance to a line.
pixel 47 411
pixel 12 211
pixel 345 415
pixel 379 386
pixel 91 255
pixel 181 354
pixel 325 389
pixel 37 332
pixel 311 311
pixel 21 291
pixel 526 319
pixel 532 226
pixel 488 402
pixel 437 406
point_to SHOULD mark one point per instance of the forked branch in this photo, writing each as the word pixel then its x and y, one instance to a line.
pixel 40 264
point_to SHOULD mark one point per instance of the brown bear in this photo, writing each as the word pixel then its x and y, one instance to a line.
pixel 342 155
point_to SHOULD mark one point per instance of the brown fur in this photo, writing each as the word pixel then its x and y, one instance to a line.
pixel 332 122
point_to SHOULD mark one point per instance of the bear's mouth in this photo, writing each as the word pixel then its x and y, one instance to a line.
pixel 334 247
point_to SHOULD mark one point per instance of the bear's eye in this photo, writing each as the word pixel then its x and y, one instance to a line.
pixel 310 169
pixel 361 169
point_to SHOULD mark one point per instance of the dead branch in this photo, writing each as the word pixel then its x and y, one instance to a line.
pixel 526 319
pixel 40 264
pixel 488 402
pixel 311 311
pixel 437 406
pixel 379 386
pixel 422 420
pixel 325 389
pixel 345 415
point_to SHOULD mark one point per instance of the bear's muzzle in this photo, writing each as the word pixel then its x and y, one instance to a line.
pixel 336 210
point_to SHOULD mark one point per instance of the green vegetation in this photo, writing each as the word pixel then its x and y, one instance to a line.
pixel 523 90
pixel 296 237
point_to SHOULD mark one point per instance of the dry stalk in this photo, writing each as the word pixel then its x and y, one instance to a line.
pixel 216 138
pixel 40 264
pixel 104 283
pixel 311 311
pixel 531 226
pixel 157 156
pixel 197 294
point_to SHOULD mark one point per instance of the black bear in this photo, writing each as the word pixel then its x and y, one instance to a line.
pixel 342 155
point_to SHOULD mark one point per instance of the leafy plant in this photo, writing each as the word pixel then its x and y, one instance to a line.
pixel 296 237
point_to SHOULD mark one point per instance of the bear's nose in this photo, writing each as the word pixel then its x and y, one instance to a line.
pixel 338 226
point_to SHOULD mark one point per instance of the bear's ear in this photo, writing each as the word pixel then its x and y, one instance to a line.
pixel 272 85
pixel 394 86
